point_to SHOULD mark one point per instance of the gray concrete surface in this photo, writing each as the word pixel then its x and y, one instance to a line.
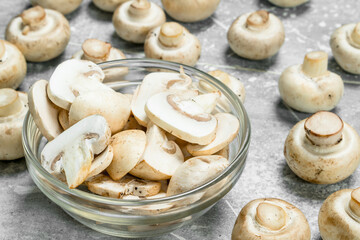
pixel 25 213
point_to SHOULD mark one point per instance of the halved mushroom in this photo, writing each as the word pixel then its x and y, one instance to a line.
pixel 322 149
pixel 134 19
pixel 101 162
pixel 40 34
pixel 12 65
pixel 113 106
pixel 108 5
pixel 63 118
pixel 161 157
pixel 128 185
pixel 43 111
pixel 129 147
pixel 271 218
pixel 288 3
pixel 189 10
pixel 178 114
pixel 172 42
pixel 74 149
pixel 73 78
pixel 256 35
pixel 310 87
pixel 345 46
pixel 13 107
pixel 340 214
pixel 63 6
pixel 226 131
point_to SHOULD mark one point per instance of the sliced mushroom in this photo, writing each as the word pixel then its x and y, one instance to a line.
pixel 179 115
pixel 322 149
pixel 132 124
pixel 63 6
pixel 310 87
pixel 189 10
pixel 63 118
pixel 340 214
pixel 43 111
pixel 128 185
pixel 73 78
pixel 134 19
pixel 270 218
pixel 13 107
pixel 113 106
pixel 172 42
pixel 129 147
pixel 161 157
pixel 227 128
pixel 108 5
pixel 256 35
pixel 101 162
pixel 345 46
pixel 40 34
pixel 73 150
pixel 288 3
pixel 208 101
pixel 12 65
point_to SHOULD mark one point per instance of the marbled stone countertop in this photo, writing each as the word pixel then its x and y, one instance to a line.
pixel 26 213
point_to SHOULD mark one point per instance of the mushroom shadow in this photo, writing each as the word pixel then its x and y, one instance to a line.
pixel 335 67
pixel 127 47
pixel 13 167
pixel 98 14
pixel 285 115
pixel 284 13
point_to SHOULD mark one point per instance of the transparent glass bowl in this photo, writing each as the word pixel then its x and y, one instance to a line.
pixel 140 218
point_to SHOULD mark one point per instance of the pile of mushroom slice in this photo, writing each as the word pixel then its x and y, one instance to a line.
pixel 130 149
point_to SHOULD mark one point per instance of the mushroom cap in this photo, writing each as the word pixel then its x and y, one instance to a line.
pixel 322 164
pixel 346 52
pixel 187 51
pixel 11 124
pixel 288 3
pixel 43 111
pixel 269 219
pixel 46 42
pixel 189 10
pixel 101 162
pixel 256 43
pixel 63 6
pixel 134 28
pixel 12 65
pixel 108 5
pixel 336 219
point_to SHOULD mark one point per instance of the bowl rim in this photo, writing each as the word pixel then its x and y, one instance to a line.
pixel 132 62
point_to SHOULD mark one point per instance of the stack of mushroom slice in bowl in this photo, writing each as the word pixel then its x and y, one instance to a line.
pixel 175 153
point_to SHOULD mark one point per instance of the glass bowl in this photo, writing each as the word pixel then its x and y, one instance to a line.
pixel 140 218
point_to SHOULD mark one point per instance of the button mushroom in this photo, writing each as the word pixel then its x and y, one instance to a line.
pixel 172 42
pixel 269 219
pixel 40 34
pixel 189 10
pixel 339 216
pixel 63 6
pixel 256 35
pixel 108 5
pixel 12 65
pixel 134 19
pixel 101 162
pixel 13 107
pixel 288 3
pixel 310 87
pixel 322 149
pixel 345 46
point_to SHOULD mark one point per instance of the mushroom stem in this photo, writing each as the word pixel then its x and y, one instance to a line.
pixel 139 8
pixel 2 50
pixel 10 102
pixel 171 34
pixel 270 216
pixel 258 20
pixel 355 202
pixel 33 18
pixel 315 64
pixel 355 35
pixel 96 50
pixel 324 128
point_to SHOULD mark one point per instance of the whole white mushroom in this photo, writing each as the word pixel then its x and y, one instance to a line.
pixel 108 5
pixel 63 6
pixel 288 3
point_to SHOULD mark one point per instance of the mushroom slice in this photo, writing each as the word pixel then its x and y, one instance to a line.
pixel 161 157
pixel 74 149
pixel 128 185
pixel 101 162
pixel 154 83
pixel 63 118
pixel 179 115
pixel 133 124
pixel 43 111
pixel 208 101
pixel 227 129
pixel 129 147
pixel 73 78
